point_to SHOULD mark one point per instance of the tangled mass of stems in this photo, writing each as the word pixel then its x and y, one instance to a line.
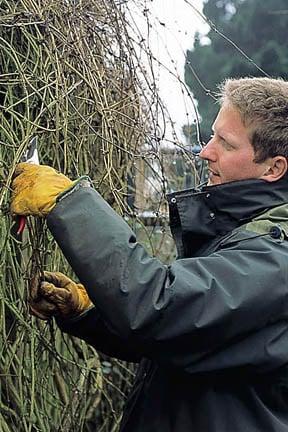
pixel 71 76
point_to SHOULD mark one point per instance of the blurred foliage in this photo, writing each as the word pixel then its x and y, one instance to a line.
pixel 257 27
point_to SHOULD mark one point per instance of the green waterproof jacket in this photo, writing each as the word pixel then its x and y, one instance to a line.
pixel 210 331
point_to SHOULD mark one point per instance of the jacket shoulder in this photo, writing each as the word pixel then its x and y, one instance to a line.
pixel 272 225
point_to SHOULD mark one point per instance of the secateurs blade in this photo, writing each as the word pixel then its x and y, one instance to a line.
pixel 30 156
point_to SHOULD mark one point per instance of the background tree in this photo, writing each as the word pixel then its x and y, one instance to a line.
pixel 258 28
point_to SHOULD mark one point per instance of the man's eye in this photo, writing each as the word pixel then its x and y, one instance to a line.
pixel 226 145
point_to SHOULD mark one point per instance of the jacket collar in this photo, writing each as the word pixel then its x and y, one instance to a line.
pixel 199 215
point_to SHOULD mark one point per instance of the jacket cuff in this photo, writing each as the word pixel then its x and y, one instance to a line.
pixel 67 325
pixel 83 181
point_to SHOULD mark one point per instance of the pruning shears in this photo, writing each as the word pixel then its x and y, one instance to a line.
pixel 30 156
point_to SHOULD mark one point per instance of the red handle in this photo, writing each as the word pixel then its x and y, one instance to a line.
pixel 22 223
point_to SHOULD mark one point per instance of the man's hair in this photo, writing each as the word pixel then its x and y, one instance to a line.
pixel 263 107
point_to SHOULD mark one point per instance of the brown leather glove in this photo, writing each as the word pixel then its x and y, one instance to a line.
pixel 36 188
pixel 58 296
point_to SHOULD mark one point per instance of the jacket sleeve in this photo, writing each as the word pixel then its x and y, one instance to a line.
pixel 199 314
pixel 91 328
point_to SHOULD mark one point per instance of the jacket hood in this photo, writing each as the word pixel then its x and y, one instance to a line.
pixel 199 215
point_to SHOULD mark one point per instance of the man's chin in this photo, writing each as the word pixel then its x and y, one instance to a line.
pixel 214 180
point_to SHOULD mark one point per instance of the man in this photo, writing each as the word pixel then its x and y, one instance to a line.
pixel 211 330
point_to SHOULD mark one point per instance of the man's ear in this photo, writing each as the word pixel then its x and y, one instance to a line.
pixel 277 168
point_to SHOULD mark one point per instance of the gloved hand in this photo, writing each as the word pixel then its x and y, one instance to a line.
pixel 36 188
pixel 58 296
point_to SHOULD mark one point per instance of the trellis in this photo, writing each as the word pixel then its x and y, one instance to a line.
pixel 71 76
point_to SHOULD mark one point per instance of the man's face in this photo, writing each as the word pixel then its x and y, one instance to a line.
pixel 229 152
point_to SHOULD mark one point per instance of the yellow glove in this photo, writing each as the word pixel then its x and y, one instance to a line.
pixel 58 296
pixel 36 188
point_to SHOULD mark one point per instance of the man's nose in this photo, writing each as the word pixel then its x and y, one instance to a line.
pixel 208 152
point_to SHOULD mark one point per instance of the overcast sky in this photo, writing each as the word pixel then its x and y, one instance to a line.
pixel 173 25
